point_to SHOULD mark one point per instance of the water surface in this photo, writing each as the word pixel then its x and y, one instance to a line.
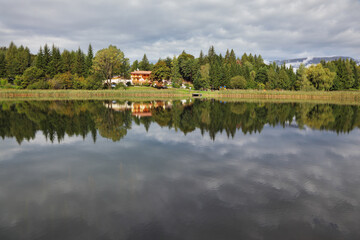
pixel 179 170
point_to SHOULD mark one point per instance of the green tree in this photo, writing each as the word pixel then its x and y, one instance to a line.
pixel 321 78
pixel 302 83
pixel 160 71
pixel 108 62
pixel 79 64
pixel 202 80
pixel 39 62
pixel 55 65
pixel 2 65
pixel 188 66
pixel 12 62
pixel 238 82
pixel 145 64
pixel 67 61
pixel 175 73
pixel 134 66
pixel 273 79
pixel 46 59
pixel 89 60
pixel 31 76
pixel 261 76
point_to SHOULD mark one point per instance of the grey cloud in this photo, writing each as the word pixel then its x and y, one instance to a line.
pixel 275 29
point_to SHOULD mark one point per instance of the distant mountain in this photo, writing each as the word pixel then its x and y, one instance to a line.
pixel 310 60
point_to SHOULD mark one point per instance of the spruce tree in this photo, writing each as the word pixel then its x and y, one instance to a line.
pixel 55 65
pixel 79 65
pixel 46 59
pixel 144 65
pixel 39 62
pixel 89 59
pixel 2 65
pixel 135 66
pixel 12 62
pixel 175 73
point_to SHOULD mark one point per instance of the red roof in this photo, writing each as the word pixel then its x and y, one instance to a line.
pixel 142 72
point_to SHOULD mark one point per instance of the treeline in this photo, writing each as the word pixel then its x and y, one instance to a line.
pixel 53 69
pixel 56 119
pixel 213 71
pixel 50 68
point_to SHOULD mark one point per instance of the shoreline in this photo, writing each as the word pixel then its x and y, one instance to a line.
pixel 347 97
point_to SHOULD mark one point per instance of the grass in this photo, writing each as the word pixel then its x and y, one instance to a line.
pixel 148 93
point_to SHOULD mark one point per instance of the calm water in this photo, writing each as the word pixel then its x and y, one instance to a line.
pixel 179 170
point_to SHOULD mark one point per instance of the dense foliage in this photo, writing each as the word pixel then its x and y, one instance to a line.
pixel 50 68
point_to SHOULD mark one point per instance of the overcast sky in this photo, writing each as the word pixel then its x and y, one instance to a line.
pixel 276 29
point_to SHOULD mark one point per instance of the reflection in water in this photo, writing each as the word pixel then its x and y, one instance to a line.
pixel 285 182
pixel 113 119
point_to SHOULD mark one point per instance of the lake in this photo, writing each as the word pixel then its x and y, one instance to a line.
pixel 179 170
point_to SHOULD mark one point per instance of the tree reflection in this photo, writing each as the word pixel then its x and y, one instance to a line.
pixel 112 120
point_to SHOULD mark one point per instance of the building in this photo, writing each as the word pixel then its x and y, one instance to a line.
pixel 140 77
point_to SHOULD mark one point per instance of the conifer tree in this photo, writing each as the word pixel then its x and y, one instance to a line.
pixel 55 64
pixel 46 59
pixel 39 62
pixel 67 61
pixel 175 73
pixel 2 65
pixel 89 59
pixel 144 65
pixel 79 65
pixel 134 66
pixel 12 62
pixel 201 58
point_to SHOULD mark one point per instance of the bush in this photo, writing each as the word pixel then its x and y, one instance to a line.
pixel 38 85
pixel 120 86
pixel 3 81
pixel 238 82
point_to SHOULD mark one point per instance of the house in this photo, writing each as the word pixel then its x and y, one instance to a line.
pixel 140 77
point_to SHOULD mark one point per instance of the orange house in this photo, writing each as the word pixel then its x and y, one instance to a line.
pixel 140 77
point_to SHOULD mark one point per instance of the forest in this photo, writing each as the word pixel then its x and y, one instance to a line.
pixel 23 119
pixel 52 69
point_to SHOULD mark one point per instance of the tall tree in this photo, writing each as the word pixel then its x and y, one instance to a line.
pixel 55 65
pixel 12 62
pixel 79 65
pixel 89 59
pixel 2 65
pixel 108 62
pixel 175 73
pixel 145 64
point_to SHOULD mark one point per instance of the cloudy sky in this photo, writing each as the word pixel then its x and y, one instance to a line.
pixel 276 29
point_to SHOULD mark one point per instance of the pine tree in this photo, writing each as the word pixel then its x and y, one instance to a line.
pixel 46 58
pixel 79 65
pixel 67 61
pixel 201 58
pixel 89 60
pixel 175 73
pixel 2 65
pixel 144 65
pixel 135 66
pixel 12 62
pixel 39 62
pixel 55 64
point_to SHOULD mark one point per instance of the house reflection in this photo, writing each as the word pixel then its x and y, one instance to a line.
pixel 140 109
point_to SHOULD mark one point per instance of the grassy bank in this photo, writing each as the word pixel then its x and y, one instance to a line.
pixel 352 97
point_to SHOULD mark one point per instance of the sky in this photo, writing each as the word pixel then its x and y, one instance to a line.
pixel 276 29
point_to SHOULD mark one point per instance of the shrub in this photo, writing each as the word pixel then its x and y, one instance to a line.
pixel 238 82
pixel 3 81
pixel 38 85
